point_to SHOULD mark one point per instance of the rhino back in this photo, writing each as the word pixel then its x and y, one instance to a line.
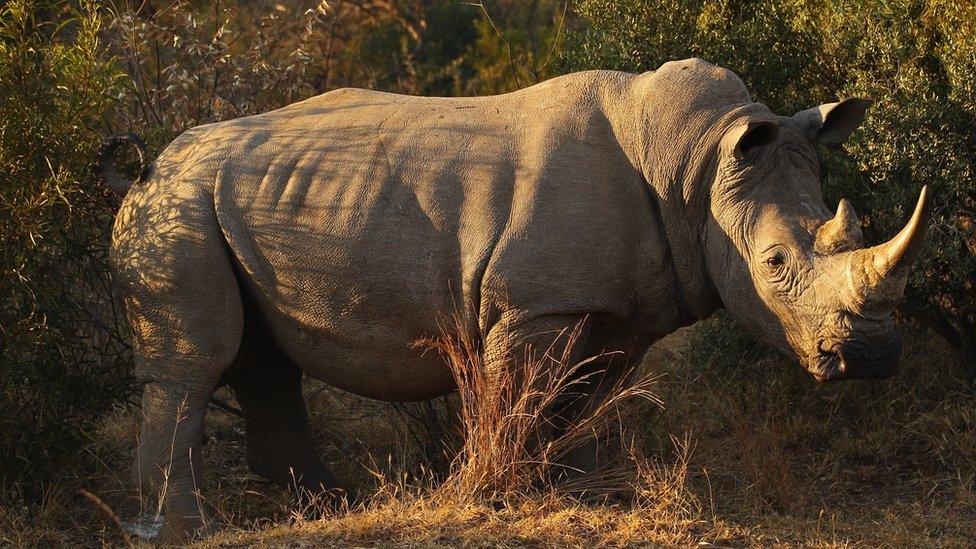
pixel 359 219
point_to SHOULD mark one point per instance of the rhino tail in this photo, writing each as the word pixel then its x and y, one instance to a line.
pixel 105 172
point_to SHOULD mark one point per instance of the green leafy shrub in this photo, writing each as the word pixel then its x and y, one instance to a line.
pixel 915 58
pixel 189 65
pixel 64 360
pixel 186 66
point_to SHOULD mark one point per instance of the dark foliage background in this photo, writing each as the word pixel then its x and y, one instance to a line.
pixel 72 72
pixel 64 360
pixel 915 58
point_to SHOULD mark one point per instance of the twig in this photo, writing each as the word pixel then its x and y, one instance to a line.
pixel 224 407
pixel 105 509
pixel 555 41
pixel 508 45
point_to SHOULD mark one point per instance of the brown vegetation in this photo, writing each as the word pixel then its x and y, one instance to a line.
pixel 765 457
pixel 509 447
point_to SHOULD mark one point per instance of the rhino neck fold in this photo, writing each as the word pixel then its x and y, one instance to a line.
pixel 669 126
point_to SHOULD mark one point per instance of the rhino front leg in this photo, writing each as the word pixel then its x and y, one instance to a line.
pixel 597 452
pixel 607 366
pixel 513 342
pixel 512 347
pixel 618 354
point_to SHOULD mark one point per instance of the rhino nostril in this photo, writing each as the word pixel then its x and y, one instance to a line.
pixel 842 361
pixel 826 364
pixel 822 348
pixel 827 347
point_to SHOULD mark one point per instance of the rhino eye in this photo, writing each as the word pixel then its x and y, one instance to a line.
pixel 775 261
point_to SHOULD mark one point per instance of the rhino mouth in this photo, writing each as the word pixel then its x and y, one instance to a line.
pixel 852 359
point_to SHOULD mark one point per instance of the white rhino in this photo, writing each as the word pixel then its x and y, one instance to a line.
pixel 328 236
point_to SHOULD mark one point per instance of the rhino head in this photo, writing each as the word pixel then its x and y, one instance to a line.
pixel 788 268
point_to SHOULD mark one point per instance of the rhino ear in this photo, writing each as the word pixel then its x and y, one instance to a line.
pixel 747 137
pixel 833 122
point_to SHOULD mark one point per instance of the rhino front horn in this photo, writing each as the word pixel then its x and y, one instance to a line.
pixel 877 275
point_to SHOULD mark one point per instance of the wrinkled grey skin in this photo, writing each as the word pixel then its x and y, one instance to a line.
pixel 327 237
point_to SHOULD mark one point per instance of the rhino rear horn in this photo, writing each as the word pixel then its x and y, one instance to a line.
pixel 840 234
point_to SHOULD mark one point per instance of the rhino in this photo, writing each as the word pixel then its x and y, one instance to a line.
pixel 325 238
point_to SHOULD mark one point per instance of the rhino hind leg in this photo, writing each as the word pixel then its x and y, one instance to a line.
pixel 181 298
pixel 280 446
pixel 168 466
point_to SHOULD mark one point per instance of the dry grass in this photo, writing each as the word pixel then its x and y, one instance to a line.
pixel 769 459
pixel 511 447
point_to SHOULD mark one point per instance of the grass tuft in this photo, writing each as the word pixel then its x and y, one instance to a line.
pixel 512 446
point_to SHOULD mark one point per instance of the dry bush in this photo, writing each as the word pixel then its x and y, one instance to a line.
pixel 64 361
pixel 511 446
pixel 188 66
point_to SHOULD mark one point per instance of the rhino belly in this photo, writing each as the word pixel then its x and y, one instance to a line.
pixel 350 306
pixel 367 357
